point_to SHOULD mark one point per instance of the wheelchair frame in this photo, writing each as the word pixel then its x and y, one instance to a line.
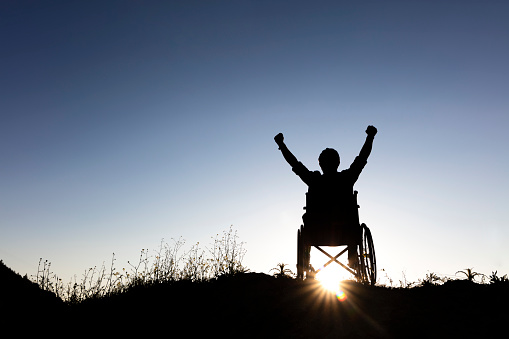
pixel 365 268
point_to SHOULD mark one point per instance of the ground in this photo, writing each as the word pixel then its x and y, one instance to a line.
pixel 256 305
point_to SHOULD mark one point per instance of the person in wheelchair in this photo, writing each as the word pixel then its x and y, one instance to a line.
pixel 331 208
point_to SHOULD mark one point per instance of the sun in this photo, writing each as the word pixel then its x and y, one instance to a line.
pixel 331 277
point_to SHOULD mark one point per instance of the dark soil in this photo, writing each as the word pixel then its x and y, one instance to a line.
pixel 254 305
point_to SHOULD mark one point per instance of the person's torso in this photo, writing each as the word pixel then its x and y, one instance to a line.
pixel 331 193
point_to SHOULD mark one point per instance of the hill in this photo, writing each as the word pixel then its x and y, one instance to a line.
pixel 256 305
pixel 25 306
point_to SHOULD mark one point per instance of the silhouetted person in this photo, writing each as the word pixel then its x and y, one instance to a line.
pixel 330 202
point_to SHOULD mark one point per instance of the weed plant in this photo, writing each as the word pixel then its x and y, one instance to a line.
pixel 168 265
pixel 280 271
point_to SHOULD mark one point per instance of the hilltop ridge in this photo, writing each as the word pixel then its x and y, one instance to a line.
pixel 258 305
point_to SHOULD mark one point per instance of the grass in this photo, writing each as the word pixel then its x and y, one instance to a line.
pixel 167 265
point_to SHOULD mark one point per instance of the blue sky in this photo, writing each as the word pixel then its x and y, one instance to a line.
pixel 125 122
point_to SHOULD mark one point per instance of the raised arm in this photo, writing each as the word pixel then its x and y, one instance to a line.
pixel 289 157
pixel 368 144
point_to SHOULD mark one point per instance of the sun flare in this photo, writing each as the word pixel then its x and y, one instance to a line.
pixel 331 279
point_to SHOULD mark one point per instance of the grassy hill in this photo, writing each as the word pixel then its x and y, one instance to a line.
pixel 256 305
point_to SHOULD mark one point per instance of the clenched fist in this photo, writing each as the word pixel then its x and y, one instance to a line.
pixel 371 131
pixel 279 138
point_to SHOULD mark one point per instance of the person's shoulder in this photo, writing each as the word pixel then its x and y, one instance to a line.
pixel 344 174
pixel 315 175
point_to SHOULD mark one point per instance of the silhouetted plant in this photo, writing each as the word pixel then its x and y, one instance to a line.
pixel 431 280
pixel 227 255
pixel 196 267
pixel 167 260
pixel 404 283
pixel 282 272
pixel 470 274
pixel 43 275
pixel 494 279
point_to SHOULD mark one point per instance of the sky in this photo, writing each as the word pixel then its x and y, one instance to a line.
pixel 127 122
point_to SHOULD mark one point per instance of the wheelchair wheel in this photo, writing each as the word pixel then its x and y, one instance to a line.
pixel 300 255
pixel 303 256
pixel 368 255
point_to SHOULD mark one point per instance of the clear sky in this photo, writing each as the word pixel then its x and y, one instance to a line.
pixel 126 122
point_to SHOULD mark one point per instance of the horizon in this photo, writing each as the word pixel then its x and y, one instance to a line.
pixel 126 123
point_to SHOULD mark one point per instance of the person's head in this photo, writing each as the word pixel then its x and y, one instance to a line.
pixel 329 160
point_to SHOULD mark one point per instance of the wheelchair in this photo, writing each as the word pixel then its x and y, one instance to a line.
pixel 347 232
